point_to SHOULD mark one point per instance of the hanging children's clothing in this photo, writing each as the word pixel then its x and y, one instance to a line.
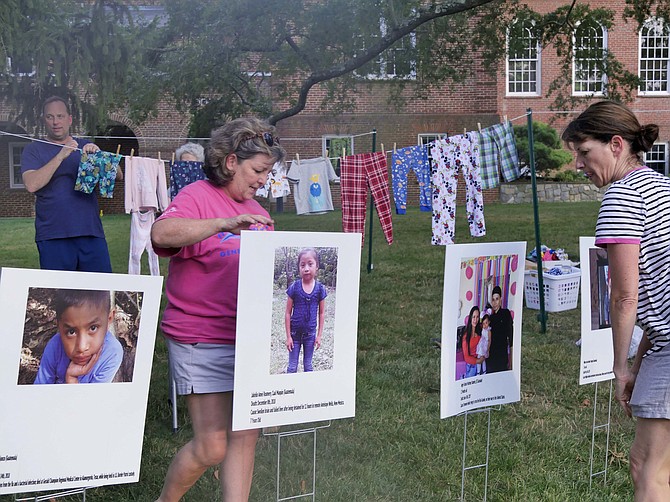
pixel 498 155
pixel 184 172
pixel 402 160
pixel 140 240
pixel 99 167
pixel 277 184
pixel 357 172
pixel 312 193
pixel 146 193
pixel 449 156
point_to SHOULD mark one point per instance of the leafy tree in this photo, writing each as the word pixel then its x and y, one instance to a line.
pixel 286 266
pixel 78 50
pixel 549 152
pixel 260 57
pixel 227 50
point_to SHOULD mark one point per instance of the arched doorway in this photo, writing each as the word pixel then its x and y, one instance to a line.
pixel 116 136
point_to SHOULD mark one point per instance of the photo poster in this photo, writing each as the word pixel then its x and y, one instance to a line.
pixel 471 272
pixel 597 354
pixel 266 394
pixel 57 436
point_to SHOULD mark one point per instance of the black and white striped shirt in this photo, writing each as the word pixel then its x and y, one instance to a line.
pixel 636 210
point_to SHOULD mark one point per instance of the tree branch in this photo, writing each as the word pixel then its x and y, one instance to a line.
pixel 303 55
pixel 423 15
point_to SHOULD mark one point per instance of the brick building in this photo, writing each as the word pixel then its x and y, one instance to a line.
pixel 522 82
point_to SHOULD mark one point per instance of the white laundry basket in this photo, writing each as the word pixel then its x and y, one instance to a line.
pixel 560 291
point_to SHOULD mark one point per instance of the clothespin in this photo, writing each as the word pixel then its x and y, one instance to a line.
pixel 297 158
pixel 394 149
pixel 326 153
pixel 118 148
pixel 383 148
pixel 504 118
pixel 172 162
pixel 159 156
pixel 465 131
pixel 479 126
pixel 132 152
pixel 344 151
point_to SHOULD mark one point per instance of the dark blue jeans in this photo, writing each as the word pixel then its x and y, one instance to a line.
pixel 305 340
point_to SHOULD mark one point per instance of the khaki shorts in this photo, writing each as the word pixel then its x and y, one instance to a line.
pixel 201 368
pixel 651 394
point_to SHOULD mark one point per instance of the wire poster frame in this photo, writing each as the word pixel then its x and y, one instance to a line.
pixel 291 433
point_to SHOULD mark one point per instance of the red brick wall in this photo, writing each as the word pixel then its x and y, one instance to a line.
pixel 623 42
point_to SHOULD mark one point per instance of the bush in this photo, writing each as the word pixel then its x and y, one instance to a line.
pixel 549 152
pixel 570 176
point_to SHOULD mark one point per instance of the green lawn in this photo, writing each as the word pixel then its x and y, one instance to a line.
pixel 397 448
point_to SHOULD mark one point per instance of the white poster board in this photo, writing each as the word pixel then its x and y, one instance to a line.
pixel 53 436
pixel 471 272
pixel 597 354
pixel 265 394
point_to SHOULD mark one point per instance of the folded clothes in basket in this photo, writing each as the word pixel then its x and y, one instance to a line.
pixel 548 254
pixel 559 271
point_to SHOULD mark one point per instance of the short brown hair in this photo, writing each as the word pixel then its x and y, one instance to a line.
pixel 54 99
pixel 244 138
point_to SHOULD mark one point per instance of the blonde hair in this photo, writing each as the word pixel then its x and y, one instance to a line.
pixel 244 138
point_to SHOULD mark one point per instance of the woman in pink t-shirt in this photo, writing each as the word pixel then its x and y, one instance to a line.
pixel 199 231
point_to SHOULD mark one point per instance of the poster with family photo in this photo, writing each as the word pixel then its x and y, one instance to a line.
pixel 597 350
pixel 297 320
pixel 481 326
pixel 62 331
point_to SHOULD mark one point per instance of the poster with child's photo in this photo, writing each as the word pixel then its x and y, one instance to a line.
pixel 481 326
pixel 61 332
pixel 305 286
pixel 297 318
pixel 597 350
pixel 79 336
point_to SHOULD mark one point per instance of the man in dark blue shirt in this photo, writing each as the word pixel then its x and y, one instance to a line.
pixel 68 230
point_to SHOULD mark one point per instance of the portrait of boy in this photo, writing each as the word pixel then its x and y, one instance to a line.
pixel 83 350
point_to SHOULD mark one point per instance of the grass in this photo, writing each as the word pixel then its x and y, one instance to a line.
pixel 397 448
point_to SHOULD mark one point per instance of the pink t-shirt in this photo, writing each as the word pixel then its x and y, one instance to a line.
pixel 201 285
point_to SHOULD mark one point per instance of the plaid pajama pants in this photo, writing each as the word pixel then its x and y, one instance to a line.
pixel 498 149
pixel 357 172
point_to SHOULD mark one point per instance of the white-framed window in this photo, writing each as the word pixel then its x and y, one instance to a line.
pixel 15 150
pixel 396 62
pixel 334 146
pixel 145 14
pixel 429 137
pixel 657 158
pixel 590 48
pixel 523 60
pixel 654 54
pixel 19 68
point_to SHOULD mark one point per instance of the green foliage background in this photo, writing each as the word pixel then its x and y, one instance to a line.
pixel 549 151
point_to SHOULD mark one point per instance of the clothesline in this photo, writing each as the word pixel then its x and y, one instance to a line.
pixel 23 136
pixel 519 117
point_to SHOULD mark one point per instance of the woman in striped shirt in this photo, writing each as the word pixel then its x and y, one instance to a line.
pixel 634 225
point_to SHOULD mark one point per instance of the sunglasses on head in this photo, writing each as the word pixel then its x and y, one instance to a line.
pixel 267 137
